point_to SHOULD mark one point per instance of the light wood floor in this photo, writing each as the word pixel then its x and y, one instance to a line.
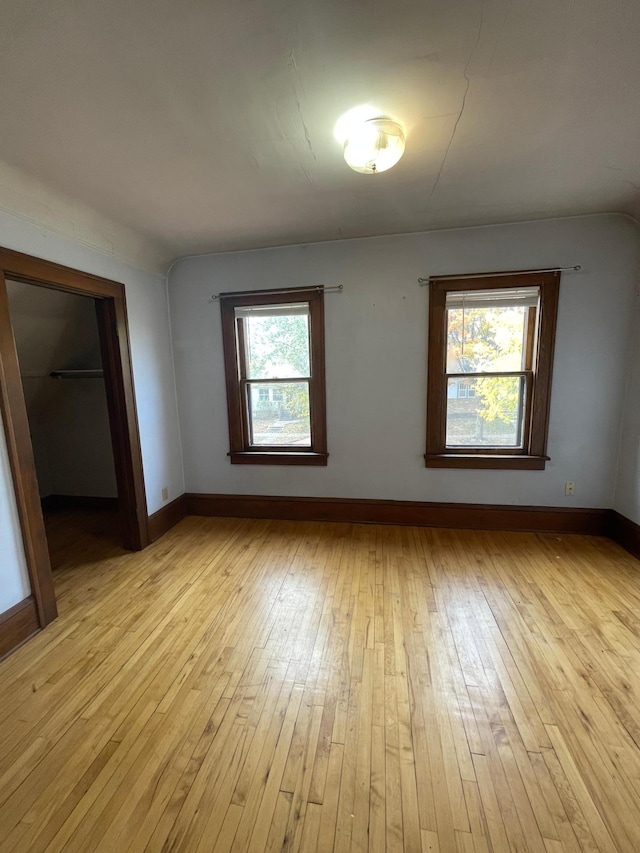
pixel 259 685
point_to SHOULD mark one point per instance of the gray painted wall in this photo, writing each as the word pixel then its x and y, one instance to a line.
pixel 376 340
pixel 627 497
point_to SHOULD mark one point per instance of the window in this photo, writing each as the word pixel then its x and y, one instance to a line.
pixel 491 341
pixel 274 363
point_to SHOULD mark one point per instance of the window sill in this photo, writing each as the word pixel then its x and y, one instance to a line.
pixel 477 460
pixel 274 457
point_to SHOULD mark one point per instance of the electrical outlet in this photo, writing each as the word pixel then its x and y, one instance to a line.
pixel 165 494
pixel 569 488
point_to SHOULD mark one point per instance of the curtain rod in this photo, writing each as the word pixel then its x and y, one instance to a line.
pixel 423 281
pixel 337 289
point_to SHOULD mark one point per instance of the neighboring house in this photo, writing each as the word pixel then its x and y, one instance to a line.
pixel 458 389
pixel 270 398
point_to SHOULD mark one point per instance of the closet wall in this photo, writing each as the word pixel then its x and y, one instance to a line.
pixel 68 418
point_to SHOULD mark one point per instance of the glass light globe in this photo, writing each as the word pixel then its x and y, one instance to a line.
pixel 374 146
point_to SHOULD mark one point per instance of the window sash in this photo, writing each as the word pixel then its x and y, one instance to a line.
pixel 242 338
pixel 254 446
pixel 530 320
pixel 524 413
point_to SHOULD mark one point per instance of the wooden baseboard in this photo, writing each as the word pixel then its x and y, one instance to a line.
pixel 59 502
pixel 164 519
pixel 537 519
pixel 420 514
pixel 625 532
pixel 18 624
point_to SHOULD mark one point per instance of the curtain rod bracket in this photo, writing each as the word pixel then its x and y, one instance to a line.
pixel 424 281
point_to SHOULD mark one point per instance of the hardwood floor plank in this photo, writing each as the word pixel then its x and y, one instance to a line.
pixel 252 685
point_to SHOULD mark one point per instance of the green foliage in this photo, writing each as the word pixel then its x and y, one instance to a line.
pixel 499 399
pixel 282 342
pixel 296 400
pixel 278 341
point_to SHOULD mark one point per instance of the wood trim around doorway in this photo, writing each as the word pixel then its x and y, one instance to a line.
pixel 17 625
pixel 114 340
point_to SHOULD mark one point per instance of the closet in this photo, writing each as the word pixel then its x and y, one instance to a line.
pixel 58 347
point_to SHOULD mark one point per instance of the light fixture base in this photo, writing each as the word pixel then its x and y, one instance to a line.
pixel 374 146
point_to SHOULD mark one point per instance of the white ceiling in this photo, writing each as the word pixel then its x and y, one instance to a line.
pixel 207 126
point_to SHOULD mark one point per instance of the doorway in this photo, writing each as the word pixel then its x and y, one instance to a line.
pixel 58 347
pixel 113 339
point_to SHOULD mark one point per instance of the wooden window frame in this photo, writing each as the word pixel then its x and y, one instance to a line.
pixel 538 368
pixel 241 451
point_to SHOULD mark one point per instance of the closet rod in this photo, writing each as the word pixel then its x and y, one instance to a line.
pixel 77 374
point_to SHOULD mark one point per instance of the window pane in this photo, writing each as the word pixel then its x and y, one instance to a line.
pixel 486 339
pixel 277 346
pixel 280 414
pixel 485 412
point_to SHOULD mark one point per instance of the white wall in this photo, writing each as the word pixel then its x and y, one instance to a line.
pixel 153 376
pixel 376 337
pixel 627 497
pixel 14 579
pixel 75 429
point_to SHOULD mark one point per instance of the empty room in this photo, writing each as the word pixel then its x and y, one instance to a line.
pixel 320 426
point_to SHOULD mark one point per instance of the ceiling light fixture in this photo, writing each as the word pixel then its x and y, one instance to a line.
pixel 374 145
